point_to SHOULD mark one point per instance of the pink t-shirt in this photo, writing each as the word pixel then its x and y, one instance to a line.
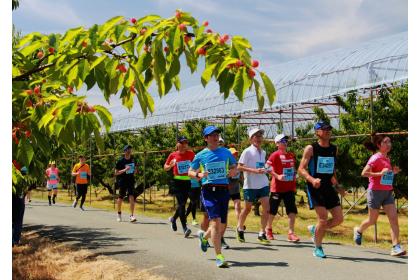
pixel 377 162
pixel 52 174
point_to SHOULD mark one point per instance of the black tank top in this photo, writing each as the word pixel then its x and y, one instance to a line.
pixel 322 163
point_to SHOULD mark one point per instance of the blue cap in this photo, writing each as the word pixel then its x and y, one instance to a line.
pixel 24 170
pixel 182 139
pixel 322 125
pixel 126 147
pixel 210 129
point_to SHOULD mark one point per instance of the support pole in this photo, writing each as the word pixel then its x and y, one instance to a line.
pixel 90 165
pixel 293 121
pixel 371 131
pixel 144 179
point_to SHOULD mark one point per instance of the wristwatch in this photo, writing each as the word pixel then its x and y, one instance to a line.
pixel 196 175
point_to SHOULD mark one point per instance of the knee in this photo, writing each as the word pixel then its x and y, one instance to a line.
pixel 322 222
pixel 338 220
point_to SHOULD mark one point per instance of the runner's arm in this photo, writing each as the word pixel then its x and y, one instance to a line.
pixel 303 166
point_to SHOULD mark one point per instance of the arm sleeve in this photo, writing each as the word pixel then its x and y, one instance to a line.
pixel 271 159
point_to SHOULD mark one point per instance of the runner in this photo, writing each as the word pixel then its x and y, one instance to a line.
pixel 52 181
pixel 81 170
pixel 283 186
pixel 194 196
pixel 320 158
pixel 213 165
pixel 381 175
pixel 179 162
pixel 251 163
pixel 124 170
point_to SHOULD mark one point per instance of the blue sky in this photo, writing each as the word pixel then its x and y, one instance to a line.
pixel 278 30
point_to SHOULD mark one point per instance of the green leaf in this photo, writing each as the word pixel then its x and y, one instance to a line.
pixel 207 73
pixel 84 69
pixel 109 24
pixel 167 82
pixel 148 18
pixel 93 34
pixel 260 97
pixel 104 115
pixel 241 41
pixel 159 59
pixel 238 85
pixel 144 62
pixel 97 61
pixel 191 61
pixel 175 67
pixel 177 83
pixel 25 152
pixel 26 51
pixel 69 36
pixel 72 75
pixel 226 62
pixel 120 30
pixel 226 80
pixel 269 87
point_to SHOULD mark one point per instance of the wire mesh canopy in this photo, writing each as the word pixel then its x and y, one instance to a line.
pixel 300 84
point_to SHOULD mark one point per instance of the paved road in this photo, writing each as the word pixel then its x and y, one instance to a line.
pixel 150 243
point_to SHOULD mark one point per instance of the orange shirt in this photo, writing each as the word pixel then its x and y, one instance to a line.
pixel 84 170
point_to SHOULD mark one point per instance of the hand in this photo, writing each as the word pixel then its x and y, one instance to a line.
pixel 204 174
pixel 260 170
pixel 341 191
pixel 334 181
pixel 280 177
pixel 232 172
pixel 316 183
pixel 173 162
pixel 384 171
pixel 396 169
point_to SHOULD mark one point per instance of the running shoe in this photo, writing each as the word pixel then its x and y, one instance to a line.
pixel 311 230
pixel 74 204
pixel 319 252
pixel 269 233
pixel 119 219
pixel 81 208
pixel 220 261
pixel 187 232
pixel 132 219
pixel 292 237
pixel 203 242
pixel 224 244
pixel 263 239
pixel 173 224
pixel 49 203
pixel 194 222
pixel 240 235
pixel 397 250
pixel 357 236
pixel 53 200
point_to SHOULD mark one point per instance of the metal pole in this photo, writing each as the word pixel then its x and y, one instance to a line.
pixel 293 121
pixel 90 163
pixel 371 131
pixel 115 177
pixel 144 179
pixel 71 178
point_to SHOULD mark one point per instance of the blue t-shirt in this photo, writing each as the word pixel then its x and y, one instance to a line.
pixel 216 162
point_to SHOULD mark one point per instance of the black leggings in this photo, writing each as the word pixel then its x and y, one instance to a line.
pixel 181 189
pixel 81 192
pixel 194 196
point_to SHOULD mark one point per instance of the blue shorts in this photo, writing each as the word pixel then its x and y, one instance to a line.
pixel 52 186
pixel 252 195
pixel 216 203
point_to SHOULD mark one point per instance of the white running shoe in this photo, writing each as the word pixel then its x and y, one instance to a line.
pixel 74 204
pixel 119 219
pixel 132 219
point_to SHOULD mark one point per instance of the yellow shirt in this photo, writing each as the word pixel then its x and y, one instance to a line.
pixel 84 170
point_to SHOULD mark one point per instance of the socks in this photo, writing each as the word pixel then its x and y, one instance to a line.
pixel 49 199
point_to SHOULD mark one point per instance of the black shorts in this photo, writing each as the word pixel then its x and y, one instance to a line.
pixel 289 202
pixel 125 189
pixel 235 196
pixel 325 196
pixel 81 189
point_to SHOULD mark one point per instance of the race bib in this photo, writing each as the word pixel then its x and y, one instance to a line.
pixel 387 178
pixel 183 166
pixel 83 175
pixel 53 176
pixel 259 164
pixel 216 170
pixel 131 170
pixel 288 173
pixel 325 165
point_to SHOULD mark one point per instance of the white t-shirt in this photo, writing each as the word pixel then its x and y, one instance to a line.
pixel 254 158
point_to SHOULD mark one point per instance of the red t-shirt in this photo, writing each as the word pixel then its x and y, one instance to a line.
pixel 183 162
pixel 283 163
pixel 378 162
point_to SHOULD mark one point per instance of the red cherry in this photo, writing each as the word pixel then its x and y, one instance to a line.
pixel 143 30
pixel 221 41
pixel 209 31
pixel 16 164
pixel 187 39
pixel 70 89
pixel 225 37
pixel 166 49
pixel 44 81
pixel 206 23
pixel 84 44
pixel 239 63
pixel 178 14
pixel 29 104
pixel 229 66
pixel 28 91
pixel 251 73
pixel 133 20
pixel 255 63
pixel 28 133
pixel 201 51
pixel 37 90
pixel 132 89
pixel 182 27
pixel 91 109
pixel 40 54
pixel 51 50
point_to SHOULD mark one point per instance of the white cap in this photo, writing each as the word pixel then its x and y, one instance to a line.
pixel 221 140
pixel 279 137
pixel 255 130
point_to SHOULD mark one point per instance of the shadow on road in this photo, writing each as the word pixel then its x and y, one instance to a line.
pixel 266 248
pixel 357 259
pixel 85 238
pixel 255 264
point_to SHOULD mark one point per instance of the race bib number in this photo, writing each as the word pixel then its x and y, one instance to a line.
pixel 259 164
pixel 289 174
pixel 387 178
pixel 325 165
pixel 53 176
pixel 83 175
pixel 183 166
pixel 131 170
pixel 216 170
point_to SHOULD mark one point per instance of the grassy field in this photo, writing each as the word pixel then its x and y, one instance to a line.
pixel 159 204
